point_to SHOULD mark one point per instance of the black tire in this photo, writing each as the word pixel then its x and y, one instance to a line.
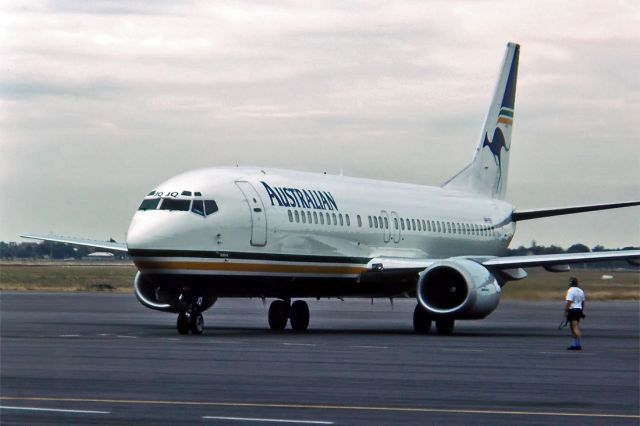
pixel 299 316
pixel 445 326
pixel 197 324
pixel 278 315
pixel 421 320
pixel 183 323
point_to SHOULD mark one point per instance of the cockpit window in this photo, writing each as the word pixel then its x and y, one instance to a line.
pixel 173 204
pixel 151 193
pixel 149 204
pixel 210 207
pixel 198 207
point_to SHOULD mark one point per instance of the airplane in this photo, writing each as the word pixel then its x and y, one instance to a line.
pixel 289 235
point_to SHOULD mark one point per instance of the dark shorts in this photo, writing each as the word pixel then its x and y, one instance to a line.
pixel 574 314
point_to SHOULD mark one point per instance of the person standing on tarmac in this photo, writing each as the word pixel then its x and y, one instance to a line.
pixel 574 308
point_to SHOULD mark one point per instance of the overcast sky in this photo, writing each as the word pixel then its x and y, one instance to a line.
pixel 102 100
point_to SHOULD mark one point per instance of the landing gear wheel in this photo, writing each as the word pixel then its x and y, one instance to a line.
pixel 278 315
pixel 183 323
pixel 445 326
pixel 197 324
pixel 421 320
pixel 299 317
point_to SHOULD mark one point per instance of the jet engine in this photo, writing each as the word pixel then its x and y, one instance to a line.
pixel 458 288
pixel 166 297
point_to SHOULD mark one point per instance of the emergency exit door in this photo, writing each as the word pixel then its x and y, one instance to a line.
pixel 258 215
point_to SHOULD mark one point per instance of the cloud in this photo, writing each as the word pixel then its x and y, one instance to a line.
pixel 100 101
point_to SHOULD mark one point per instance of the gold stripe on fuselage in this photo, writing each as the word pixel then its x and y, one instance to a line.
pixel 266 268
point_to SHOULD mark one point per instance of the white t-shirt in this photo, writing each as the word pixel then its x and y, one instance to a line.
pixel 575 295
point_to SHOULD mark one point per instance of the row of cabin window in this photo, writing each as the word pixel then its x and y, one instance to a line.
pixel 431 226
pixel 319 218
pixel 383 222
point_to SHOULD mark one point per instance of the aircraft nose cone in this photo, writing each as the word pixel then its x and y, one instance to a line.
pixel 147 232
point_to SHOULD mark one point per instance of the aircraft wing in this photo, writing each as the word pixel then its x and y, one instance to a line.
pixel 536 214
pixel 509 262
pixel 106 245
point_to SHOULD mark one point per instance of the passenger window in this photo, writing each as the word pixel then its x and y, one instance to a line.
pixel 347 219
pixel 429 225
pixel 150 204
pixel 370 222
pixel 449 227
pixel 359 221
pixel 290 216
pixel 424 225
pixel 198 194
pixel 395 223
pixel 210 207
pixel 315 218
pixel 386 223
pixel 402 223
pixel 321 219
pixel 309 217
pixel 419 225
pixel 375 222
pixel 439 228
pixel 198 207
pixel 297 216
pixel 341 220
pixel 186 193
pixel 173 204
pixel 413 224
pixel 303 217
pixel 335 219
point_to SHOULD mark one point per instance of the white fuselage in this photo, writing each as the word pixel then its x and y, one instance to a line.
pixel 291 224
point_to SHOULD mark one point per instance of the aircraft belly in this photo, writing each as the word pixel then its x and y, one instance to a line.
pixel 283 286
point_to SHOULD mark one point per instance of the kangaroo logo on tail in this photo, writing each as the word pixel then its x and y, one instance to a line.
pixel 495 146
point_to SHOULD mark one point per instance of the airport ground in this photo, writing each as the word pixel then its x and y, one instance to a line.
pixel 102 358
pixel 118 277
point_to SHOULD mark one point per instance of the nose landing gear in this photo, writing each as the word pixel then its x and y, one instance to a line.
pixel 190 319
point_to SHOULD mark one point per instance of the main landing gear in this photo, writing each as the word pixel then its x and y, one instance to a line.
pixel 297 313
pixel 422 322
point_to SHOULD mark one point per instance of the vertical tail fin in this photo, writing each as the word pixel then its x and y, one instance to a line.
pixel 487 173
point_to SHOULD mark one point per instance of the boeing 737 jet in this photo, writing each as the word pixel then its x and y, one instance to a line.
pixel 285 235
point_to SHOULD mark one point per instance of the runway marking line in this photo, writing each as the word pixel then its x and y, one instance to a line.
pixel 54 410
pixel 325 407
pixel 256 419
pixel 368 347
pixel 298 344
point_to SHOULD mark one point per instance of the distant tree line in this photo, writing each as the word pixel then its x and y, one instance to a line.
pixel 59 251
pixel 47 250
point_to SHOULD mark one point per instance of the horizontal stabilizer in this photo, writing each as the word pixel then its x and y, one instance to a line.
pixel 536 214
pixel 105 245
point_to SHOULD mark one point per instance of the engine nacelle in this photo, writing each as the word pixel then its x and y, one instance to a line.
pixel 458 288
pixel 150 294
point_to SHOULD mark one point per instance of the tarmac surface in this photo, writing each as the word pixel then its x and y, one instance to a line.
pixel 80 358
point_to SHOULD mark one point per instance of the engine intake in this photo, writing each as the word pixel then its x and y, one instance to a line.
pixel 458 288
